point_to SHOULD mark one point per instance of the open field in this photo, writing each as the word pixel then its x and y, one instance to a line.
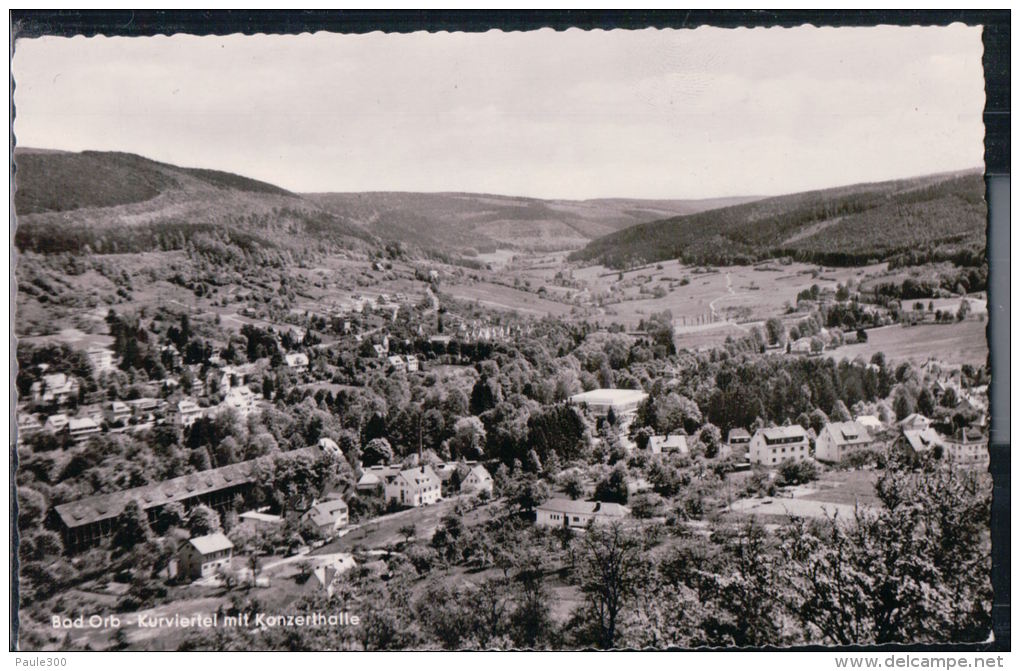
pixel 505 298
pixel 953 344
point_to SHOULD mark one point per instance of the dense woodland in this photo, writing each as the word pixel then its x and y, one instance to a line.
pixel 942 217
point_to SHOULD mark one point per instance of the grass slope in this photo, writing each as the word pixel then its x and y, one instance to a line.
pixel 850 225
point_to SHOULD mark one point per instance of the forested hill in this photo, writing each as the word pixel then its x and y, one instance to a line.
pixel 937 216
pixel 109 202
pixel 486 222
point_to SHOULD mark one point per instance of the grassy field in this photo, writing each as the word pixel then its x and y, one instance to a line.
pixel 953 344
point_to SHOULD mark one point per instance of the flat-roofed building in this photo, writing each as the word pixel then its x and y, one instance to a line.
pixel 577 514
pixel 623 402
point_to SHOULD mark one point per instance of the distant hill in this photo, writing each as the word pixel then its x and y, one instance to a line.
pixel 937 215
pixel 483 222
pixel 118 202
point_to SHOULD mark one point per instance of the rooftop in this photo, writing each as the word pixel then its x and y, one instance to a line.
pixel 609 396
pixel 211 543
pixel 568 507
pixel 108 506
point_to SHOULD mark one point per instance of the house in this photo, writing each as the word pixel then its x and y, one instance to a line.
pixel 623 402
pixel 379 350
pixel 55 423
pixel 101 359
pixel 477 480
pixel 739 440
pixel 668 444
pixel 187 412
pixel 57 388
pixel 82 428
pixel 870 422
pixel 774 445
pixel 443 340
pixel 201 557
pixel 414 487
pixel 28 425
pixel 241 399
pixel 324 576
pixel 577 514
pixel 967 447
pixel 256 519
pixel 117 412
pixel 839 439
pixel 914 422
pixel 297 361
pixel 373 479
pixel 329 446
pixel 327 516
pixel 143 405
pixel 397 364
pixel 917 442
pixel 412 363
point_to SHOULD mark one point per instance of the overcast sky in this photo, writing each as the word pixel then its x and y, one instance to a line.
pixel 659 114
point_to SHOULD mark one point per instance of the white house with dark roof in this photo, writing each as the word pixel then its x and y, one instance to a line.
pixel 577 514
pixel 839 439
pixel 413 487
pixel 774 445
pixel 201 557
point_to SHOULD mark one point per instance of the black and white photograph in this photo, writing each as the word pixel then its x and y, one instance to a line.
pixel 555 340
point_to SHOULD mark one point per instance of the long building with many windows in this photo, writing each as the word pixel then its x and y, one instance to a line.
pixel 86 522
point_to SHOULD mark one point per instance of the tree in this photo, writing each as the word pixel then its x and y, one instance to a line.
pixel 613 488
pixel 468 440
pixel 572 485
pixel 203 520
pixel 916 569
pixel 710 438
pixel 903 404
pixel 378 451
pixel 840 413
pixel 611 569
pixel 926 402
pixel 132 527
pixel 408 531
pixel 818 420
pixel 775 331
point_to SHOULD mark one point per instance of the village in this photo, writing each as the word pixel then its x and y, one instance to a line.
pixel 348 502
